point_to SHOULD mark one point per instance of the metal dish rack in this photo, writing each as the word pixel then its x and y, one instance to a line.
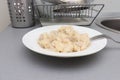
pixel 75 14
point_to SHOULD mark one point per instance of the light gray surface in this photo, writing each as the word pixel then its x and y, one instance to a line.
pixel 19 63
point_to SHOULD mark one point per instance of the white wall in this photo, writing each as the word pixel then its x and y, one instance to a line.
pixel 4 14
pixel 110 5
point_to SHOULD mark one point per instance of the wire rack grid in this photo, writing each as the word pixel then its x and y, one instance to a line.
pixel 75 14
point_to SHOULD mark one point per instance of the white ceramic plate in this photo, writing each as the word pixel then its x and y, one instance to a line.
pixel 30 41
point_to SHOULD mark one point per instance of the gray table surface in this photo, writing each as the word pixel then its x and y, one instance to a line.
pixel 19 63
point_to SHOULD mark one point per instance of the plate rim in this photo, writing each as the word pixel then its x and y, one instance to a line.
pixel 62 56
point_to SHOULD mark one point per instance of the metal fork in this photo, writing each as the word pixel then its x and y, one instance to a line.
pixel 104 36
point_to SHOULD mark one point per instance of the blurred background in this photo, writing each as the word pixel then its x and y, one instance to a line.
pixel 4 14
pixel 110 6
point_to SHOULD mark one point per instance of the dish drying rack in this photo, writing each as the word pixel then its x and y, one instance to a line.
pixel 72 14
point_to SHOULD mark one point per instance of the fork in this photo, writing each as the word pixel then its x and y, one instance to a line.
pixel 104 36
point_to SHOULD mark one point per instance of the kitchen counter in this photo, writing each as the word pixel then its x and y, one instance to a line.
pixel 19 63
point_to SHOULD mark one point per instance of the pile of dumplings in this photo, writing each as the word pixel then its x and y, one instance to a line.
pixel 64 40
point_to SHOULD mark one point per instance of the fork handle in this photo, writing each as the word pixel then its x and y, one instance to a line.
pixel 104 36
